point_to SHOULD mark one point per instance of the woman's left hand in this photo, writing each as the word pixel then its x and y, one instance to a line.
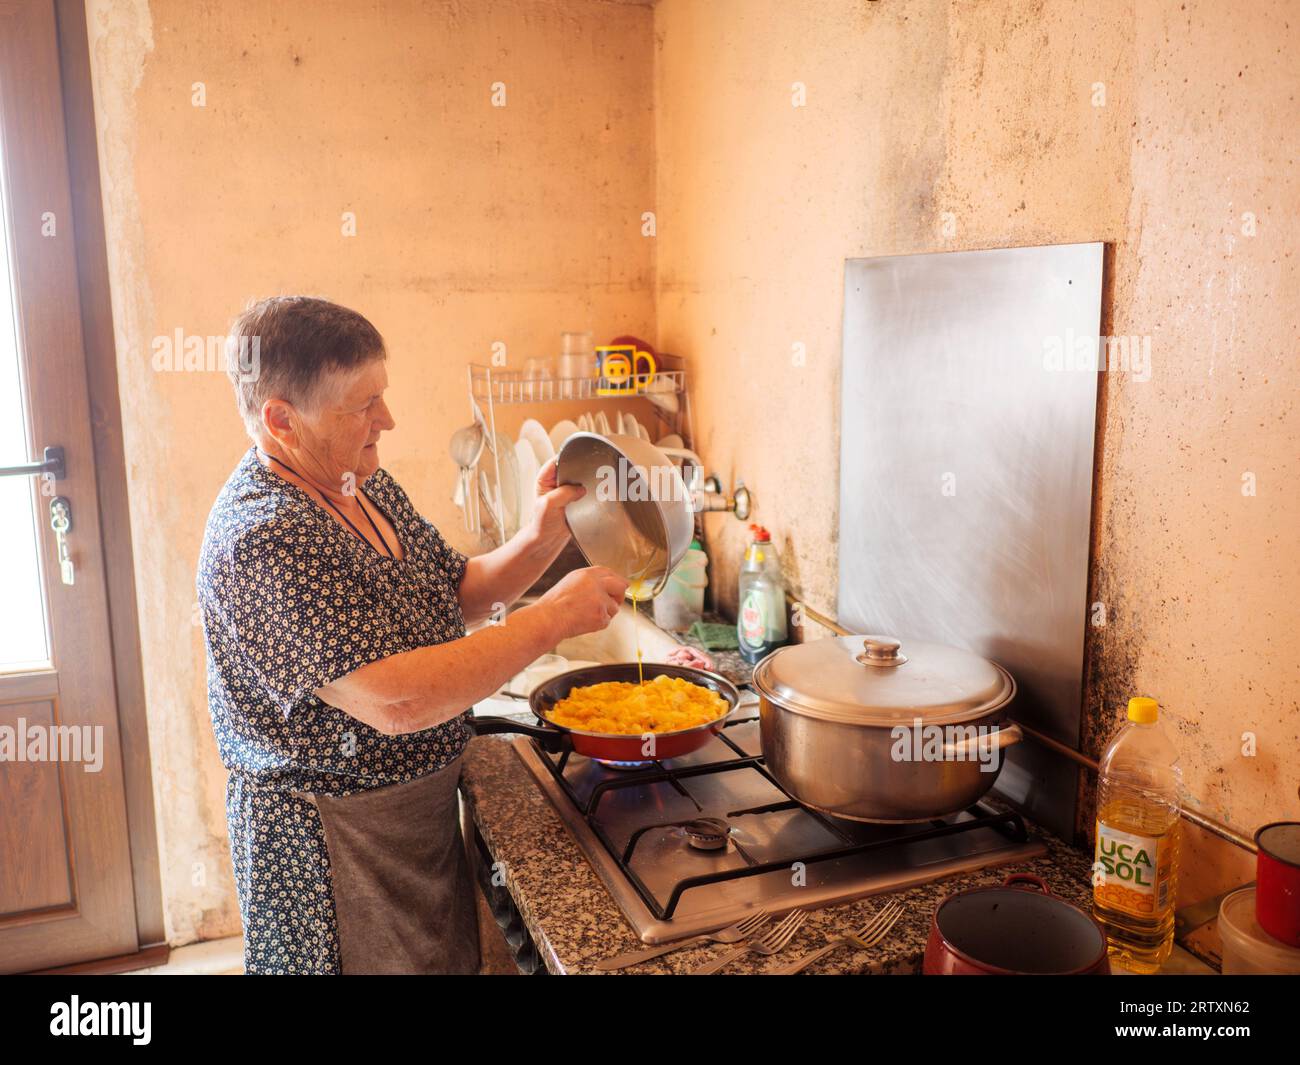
pixel 552 498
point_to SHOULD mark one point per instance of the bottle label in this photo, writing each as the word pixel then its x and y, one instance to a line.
pixel 753 626
pixel 1131 872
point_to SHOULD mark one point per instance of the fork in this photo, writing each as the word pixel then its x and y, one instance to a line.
pixel 738 931
pixel 772 941
pixel 870 934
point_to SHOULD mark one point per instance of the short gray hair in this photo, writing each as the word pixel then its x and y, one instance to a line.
pixel 298 343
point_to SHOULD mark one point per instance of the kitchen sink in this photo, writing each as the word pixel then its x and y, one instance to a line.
pixel 618 641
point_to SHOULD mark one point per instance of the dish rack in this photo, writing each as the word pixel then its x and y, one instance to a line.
pixel 491 387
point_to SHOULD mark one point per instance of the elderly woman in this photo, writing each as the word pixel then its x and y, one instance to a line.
pixel 339 671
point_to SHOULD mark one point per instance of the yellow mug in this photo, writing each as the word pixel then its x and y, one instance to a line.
pixel 619 369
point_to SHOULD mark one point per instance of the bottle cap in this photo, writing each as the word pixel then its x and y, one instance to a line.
pixel 1143 710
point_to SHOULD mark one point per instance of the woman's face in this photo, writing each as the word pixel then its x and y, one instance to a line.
pixel 342 434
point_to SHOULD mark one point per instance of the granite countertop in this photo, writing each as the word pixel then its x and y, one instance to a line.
pixel 574 922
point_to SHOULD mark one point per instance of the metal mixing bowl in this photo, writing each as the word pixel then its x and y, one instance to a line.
pixel 636 517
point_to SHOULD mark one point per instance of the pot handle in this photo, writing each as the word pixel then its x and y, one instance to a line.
pixel 550 740
pixel 1027 882
pixel 1003 737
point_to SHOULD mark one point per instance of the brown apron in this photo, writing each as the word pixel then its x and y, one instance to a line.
pixel 403 893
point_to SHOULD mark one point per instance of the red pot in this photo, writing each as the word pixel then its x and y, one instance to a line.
pixel 1014 930
pixel 1277 881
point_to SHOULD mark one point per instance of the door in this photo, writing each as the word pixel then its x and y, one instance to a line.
pixel 65 865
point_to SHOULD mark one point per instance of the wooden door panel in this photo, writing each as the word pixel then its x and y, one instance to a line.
pixel 33 837
pixel 96 917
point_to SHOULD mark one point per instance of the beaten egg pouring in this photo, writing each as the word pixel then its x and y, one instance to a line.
pixel 637 592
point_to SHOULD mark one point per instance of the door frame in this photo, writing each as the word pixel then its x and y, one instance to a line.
pixel 110 468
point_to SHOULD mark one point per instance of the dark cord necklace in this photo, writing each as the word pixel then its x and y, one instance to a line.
pixel 333 506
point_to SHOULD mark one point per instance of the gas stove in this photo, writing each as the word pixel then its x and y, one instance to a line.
pixel 694 844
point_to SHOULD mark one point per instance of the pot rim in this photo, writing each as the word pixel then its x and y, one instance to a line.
pixel 1261 849
pixel 998 970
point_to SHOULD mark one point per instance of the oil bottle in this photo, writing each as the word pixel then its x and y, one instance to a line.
pixel 1135 864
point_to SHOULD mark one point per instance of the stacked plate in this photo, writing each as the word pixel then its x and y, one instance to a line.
pixel 626 425
pixel 522 460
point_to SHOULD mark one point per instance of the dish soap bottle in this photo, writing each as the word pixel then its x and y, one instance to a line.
pixel 760 620
pixel 1135 864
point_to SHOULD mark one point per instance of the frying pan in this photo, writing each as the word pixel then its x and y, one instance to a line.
pixel 610 747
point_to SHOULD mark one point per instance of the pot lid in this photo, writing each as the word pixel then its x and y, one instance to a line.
pixel 878 680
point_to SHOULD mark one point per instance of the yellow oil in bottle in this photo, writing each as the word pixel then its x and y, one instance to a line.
pixel 1135 865
pixel 1139 923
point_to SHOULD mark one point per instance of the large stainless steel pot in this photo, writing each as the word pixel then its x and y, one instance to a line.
pixel 869 729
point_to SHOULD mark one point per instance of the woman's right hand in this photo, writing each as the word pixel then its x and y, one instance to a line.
pixel 585 600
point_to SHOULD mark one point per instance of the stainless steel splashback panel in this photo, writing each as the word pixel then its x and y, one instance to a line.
pixel 966 464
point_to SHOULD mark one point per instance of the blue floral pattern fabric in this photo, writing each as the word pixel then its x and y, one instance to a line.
pixel 291 600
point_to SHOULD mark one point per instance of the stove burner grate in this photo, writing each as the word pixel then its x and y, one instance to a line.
pixel 1008 824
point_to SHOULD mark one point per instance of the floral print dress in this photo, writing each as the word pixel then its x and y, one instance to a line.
pixel 291 600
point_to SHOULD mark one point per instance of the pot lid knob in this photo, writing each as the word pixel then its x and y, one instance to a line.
pixel 881 651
